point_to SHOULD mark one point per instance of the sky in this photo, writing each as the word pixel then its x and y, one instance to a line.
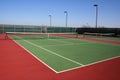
pixel 80 12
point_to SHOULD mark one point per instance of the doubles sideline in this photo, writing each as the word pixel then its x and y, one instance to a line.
pixel 82 65
pixel 54 53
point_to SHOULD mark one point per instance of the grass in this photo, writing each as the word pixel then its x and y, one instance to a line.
pixel 64 54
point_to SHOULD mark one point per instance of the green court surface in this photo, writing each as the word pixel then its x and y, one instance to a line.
pixel 103 37
pixel 65 54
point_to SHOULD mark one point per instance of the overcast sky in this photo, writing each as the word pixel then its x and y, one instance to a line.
pixel 80 12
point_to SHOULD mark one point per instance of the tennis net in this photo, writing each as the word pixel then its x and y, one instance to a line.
pixel 97 35
pixel 31 35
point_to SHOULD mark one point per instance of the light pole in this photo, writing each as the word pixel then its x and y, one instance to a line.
pixel 66 18
pixel 50 20
pixel 96 14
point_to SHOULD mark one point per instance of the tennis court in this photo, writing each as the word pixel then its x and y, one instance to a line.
pixel 64 54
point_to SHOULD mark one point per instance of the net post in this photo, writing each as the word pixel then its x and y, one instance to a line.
pixel 84 35
pixel 5 37
pixel 77 35
pixel 3 29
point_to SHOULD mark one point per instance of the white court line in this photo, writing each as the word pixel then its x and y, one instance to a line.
pixel 70 43
pixel 61 41
pixel 58 45
pixel 35 57
pixel 89 64
pixel 53 53
pixel 66 44
pixel 71 68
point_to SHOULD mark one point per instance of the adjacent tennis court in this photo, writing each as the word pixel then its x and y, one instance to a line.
pixel 63 54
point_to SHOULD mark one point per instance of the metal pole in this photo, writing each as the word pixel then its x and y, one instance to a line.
pixel 50 20
pixel 96 14
pixel 66 19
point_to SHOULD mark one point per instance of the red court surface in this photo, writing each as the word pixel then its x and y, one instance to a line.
pixel 18 64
